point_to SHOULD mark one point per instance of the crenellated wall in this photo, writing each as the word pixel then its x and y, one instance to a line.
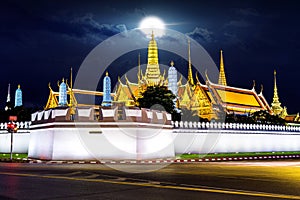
pixel 139 134
pixel 117 134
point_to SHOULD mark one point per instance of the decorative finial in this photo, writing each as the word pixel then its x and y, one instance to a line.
pixel 106 73
pixel 197 78
pixel 274 72
pixel 253 84
pixel 19 86
pixel 152 35
pixel 172 63
pixel 261 88
pixel 63 80
pixel 206 75
pixel 190 72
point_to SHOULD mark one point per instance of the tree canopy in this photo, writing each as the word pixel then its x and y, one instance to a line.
pixel 258 117
pixel 157 97
pixel 22 113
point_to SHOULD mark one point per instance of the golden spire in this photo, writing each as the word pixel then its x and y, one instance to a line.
pixel 152 51
pixel 139 69
pixel 190 73
pixel 276 105
pixel 72 109
pixel 275 97
pixel 152 75
pixel 71 78
pixel 106 73
pixel 19 86
pixel 222 77
pixel 152 35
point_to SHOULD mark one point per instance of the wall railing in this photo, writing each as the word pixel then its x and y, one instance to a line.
pixel 233 126
pixel 20 125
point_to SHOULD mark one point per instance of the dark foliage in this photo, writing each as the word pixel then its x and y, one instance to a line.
pixel 157 97
pixel 22 113
pixel 259 117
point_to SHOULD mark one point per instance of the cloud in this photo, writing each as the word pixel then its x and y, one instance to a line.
pixel 248 12
pixel 234 40
pixel 201 34
pixel 83 28
pixel 238 23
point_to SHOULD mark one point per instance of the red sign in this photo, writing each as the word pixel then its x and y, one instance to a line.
pixel 12 118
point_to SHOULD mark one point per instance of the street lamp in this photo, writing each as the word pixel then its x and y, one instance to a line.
pixel 12 128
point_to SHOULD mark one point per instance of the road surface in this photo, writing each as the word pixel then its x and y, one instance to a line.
pixel 222 180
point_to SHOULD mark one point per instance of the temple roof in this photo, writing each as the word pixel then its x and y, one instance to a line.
pixel 236 99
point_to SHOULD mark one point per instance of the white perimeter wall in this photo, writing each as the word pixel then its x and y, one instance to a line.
pixel 126 143
pixel 20 142
pixel 112 143
pixel 216 141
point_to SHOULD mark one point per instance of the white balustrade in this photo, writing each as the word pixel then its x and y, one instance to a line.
pixel 223 125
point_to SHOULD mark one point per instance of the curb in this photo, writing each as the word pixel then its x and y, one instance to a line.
pixel 225 159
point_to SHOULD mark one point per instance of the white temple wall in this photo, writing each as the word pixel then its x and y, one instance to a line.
pixel 218 142
pixel 20 142
pixel 90 144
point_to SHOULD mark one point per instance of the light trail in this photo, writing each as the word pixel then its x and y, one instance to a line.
pixel 195 188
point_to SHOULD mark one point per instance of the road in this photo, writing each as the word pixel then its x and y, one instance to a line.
pixel 223 180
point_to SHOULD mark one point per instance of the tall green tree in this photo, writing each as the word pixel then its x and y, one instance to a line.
pixel 157 97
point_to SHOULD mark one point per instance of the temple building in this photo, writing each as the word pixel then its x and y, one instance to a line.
pixel 209 100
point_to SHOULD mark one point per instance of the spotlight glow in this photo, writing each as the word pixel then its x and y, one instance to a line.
pixel 154 24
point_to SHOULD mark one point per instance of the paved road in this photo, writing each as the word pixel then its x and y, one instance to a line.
pixel 228 180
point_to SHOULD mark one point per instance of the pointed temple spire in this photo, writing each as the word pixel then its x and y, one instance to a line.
pixel 71 87
pixel 71 95
pixel 190 73
pixel 222 77
pixel 172 79
pixel 18 97
pixel 139 69
pixel 8 103
pixel 62 97
pixel 152 71
pixel 106 91
pixel 8 93
pixel 276 105
pixel 152 51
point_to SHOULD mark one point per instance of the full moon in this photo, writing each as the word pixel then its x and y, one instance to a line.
pixel 154 24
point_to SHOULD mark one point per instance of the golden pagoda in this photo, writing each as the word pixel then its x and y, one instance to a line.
pixel 276 105
pixel 222 77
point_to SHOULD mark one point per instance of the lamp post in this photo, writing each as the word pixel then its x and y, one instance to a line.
pixel 11 128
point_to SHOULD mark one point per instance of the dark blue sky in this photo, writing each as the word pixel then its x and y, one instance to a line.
pixel 40 40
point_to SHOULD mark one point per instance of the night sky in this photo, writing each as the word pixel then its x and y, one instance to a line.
pixel 41 40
